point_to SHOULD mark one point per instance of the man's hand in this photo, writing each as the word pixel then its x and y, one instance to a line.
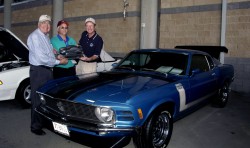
pixel 55 52
pixel 59 57
pixel 63 60
pixel 84 58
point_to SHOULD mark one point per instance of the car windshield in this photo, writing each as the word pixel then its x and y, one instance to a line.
pixel 5 54
pixel 157 62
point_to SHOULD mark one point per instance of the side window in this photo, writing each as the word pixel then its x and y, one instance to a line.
pixel 210 62
pixel 144 59
pixel 199 62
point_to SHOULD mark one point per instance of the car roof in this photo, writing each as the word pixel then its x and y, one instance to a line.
pixel 214 51
pixel 169 50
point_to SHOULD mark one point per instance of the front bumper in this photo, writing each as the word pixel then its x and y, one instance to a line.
pixel 79 126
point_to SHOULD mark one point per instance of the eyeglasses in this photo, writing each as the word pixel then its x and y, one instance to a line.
pixel 64 27
pixel 46 22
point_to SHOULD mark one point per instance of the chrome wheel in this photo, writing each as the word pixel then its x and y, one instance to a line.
pixel 23 94
pixel 161 129
pixel 26 94
pixel 224 93
pixel 222 97
pixel 156 132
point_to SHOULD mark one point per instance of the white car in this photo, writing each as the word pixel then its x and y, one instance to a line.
pixel 14 68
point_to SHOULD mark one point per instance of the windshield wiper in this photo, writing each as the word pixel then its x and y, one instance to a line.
pixel 154 71
pixel 146 69
pixel 125 67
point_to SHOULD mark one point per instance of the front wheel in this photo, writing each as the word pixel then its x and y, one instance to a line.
pixel 157 131
pixel 23 94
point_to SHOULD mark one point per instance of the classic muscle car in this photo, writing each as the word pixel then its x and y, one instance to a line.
pixel 14 67
pixel 141 97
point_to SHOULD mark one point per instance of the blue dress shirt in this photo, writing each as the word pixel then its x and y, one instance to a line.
pixel 41 50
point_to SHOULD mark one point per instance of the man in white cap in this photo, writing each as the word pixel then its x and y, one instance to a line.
pixel 41 59
pixel 92 45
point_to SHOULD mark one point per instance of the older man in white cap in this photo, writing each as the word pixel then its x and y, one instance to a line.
pixel 92 45
pixel 41 59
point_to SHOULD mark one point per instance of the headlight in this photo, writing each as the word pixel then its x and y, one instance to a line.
pixel 104 114
pixel 43 101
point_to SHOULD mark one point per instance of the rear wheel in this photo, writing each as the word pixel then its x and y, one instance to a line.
pixel 23 94
pixel 157 132
pixel 222 96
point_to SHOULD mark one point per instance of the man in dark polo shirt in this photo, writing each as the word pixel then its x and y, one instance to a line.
pixel 92 45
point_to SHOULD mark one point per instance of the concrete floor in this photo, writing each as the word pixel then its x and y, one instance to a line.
pixel 208 127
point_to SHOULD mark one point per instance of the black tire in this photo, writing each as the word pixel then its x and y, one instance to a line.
pixel 222 97
pixel 23 94
pixel 156 133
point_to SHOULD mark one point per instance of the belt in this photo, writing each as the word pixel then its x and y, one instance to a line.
pixel 46 67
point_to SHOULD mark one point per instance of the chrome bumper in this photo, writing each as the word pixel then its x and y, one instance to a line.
pixel 98 130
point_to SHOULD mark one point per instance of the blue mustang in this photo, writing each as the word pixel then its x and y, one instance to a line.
pixel 140 97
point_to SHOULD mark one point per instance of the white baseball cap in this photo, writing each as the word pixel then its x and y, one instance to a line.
pixel 44 18
pixel 90 19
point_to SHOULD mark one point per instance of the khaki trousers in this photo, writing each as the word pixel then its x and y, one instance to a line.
pixel 85 67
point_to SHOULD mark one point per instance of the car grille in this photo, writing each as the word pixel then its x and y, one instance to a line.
pixel 71 109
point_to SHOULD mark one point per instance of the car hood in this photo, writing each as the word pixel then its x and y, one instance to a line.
pixel 13 43
pixel 104 86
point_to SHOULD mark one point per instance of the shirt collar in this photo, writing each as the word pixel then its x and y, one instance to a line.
pixel 93 37
pixel 42 32
pixel 60 38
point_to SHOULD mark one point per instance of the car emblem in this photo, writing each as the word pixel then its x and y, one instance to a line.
pixel 60 106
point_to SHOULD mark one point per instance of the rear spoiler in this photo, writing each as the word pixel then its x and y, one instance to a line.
pixel 214 51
